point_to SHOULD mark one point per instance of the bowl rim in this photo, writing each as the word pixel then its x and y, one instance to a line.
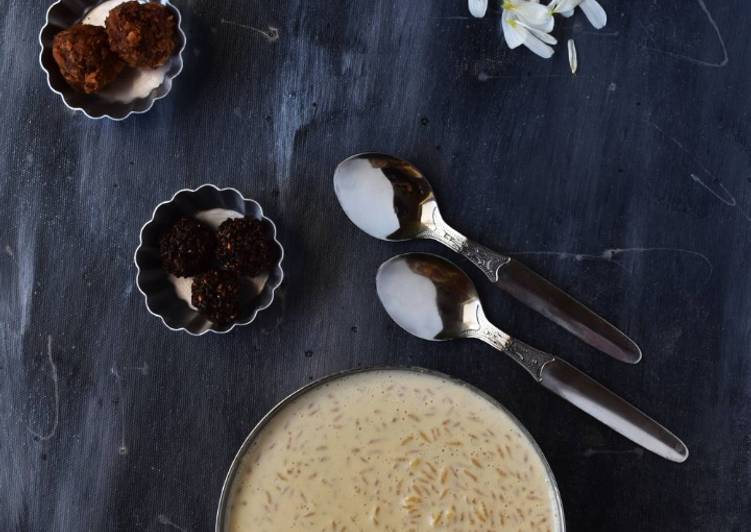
pixel 277 264
pixel 152 100
pixel 224 495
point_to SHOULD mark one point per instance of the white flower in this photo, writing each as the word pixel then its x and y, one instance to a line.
pixel 478 8
pixel 592 9
pixel 528 23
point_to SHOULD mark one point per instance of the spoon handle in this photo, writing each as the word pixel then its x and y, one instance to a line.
pixel 588 395
pixel 531 359
pixel 539 294
pixel 487 260
pixel 593 398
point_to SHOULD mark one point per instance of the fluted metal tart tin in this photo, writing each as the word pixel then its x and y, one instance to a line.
pixel 62 15
pixel 159 288
pixel 222 515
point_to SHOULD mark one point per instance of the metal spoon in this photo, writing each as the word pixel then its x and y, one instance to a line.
pixel 390 199
pixel 433 299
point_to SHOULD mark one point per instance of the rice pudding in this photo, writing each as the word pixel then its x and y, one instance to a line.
pixel 391 450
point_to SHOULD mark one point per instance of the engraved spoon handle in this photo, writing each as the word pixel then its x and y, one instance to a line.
pixel 531 359
pixel 487 260
pixel 588 395
pixel 538 293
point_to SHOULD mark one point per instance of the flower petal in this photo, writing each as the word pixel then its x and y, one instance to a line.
pixel 547 25
pixel 514 33
pixel 532 13
pixel 595 13
pixel 478 8
pixel 573 60
pixel 538 47
pixel 544 37
pixel 565 5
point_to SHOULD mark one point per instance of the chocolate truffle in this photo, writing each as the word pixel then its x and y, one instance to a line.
pixel 187 248
pixel 243 248
pixel 143 35
pixel 86 62
pixel 216 294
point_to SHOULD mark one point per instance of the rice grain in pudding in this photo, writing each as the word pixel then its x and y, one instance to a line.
pixel 391 450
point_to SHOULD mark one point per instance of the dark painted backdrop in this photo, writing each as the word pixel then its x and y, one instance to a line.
pixel 628 184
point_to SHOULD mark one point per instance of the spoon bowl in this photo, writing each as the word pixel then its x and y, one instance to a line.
pixel 385 196
pixel 427 299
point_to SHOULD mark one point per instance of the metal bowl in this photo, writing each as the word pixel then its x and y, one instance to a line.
pixel 159 288
pixel 224 497
pixel 63 14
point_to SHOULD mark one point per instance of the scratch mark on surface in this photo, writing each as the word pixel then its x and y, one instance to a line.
pixel 123 449
pixel 610 254
pixel 281 298
pixel 271 34
pixel 484 76
pixel 166 521
pixel 127 291
pixel 636 451
pixel 722 194
pixel 143 369
pixel 56 392
pixel 277 323
pixel 610 34
pixel 700 62
pixel 578 257
pixel 25 268
pixel 172 478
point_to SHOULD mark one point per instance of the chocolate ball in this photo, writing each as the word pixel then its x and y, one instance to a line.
pixel 84 57
pixel 187 248
pixel 243 248
pixel 216 294
pixel 143 35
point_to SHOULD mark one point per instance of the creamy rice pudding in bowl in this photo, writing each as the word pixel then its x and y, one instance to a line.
pixel 391 450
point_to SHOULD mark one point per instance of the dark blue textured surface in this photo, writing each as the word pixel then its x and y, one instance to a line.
pixel 629 185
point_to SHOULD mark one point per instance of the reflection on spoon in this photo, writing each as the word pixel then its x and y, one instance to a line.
pixel 368 200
